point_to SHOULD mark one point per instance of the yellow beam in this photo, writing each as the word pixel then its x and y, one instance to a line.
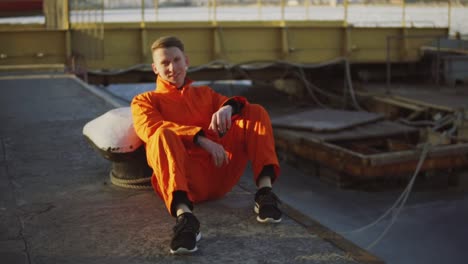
pixel 56 14
pixel 33 67
pixel 36 46
pixel 127 44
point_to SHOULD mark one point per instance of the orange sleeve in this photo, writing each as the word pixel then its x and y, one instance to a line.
pixel 237 103
pixel 147 119
pixel 219 100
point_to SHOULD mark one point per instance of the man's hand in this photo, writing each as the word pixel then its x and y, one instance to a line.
pixel 221 120
pixel 216 150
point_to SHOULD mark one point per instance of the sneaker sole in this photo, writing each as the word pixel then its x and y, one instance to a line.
pixel 182 251
pixel 265 220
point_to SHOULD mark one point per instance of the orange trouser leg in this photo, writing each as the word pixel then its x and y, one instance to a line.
pixel 250 138
pixel 193 171
pixel 259 139
pixel 166 154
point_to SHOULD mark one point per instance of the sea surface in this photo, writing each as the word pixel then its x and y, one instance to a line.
pixel 358 15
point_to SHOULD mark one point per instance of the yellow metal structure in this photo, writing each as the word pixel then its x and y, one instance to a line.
pixel 108 46
pixel 235 42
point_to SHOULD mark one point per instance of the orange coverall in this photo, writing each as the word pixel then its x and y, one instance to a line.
pixel 168 119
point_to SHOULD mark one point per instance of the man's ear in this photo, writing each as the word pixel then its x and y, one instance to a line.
pixel 154 68
pixel 187 61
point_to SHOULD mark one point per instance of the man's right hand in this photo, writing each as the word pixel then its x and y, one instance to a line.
pixel 216 150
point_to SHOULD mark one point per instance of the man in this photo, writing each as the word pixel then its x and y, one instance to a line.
pixel 198 143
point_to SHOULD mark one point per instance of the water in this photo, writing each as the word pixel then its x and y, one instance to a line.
pixel 226 87
pixel 358 15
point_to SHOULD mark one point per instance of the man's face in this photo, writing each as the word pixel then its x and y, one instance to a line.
pixel 171 65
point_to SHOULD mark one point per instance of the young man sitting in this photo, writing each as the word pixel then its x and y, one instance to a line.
pixel 198 143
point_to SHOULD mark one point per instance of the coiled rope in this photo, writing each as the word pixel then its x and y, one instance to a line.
pixel 137 184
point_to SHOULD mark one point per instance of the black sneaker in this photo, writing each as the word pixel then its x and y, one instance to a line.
pixel 186 234
pixel 266 206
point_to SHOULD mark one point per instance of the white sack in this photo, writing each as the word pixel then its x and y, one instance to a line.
pixel 113 131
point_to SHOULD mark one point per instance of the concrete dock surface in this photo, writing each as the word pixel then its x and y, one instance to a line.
pixel 57 204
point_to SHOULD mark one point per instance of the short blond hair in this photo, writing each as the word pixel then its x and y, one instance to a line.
pixel 167 42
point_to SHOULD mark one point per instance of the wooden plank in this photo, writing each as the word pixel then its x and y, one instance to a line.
pixel 394 100
pixel 434 152
pixel 422 104
pixel 362 166
pixel 394 163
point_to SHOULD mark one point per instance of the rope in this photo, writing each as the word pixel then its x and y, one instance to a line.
pixel 137 184
pixel 350 84
pixel 402 195
pixel 406 193
pixel 402 198
pixel 263 64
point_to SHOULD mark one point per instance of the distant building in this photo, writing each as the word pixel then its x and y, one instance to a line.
pixel 20 7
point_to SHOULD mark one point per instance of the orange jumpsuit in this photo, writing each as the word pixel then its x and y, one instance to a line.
pixel 168 119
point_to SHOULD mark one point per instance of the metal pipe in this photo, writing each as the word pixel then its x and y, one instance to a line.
pixel 156 9
pixel 282 10
pixel 143 31
pixel 388 65
pixel 345 7
pixel 88 29
pixel 101 33
pixel 259 5
pixel 214 10
pixel 438 61
pixel 66 15
pixel 95 33
pixel 403 17
pixel 78 14
pixel 307 6
pixel 142 24
pixel 449 15
pixel 208 6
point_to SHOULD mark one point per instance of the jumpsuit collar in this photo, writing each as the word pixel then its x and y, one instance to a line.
pixel 163 86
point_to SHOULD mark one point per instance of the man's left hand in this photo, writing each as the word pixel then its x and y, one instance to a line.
pixel 221 120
